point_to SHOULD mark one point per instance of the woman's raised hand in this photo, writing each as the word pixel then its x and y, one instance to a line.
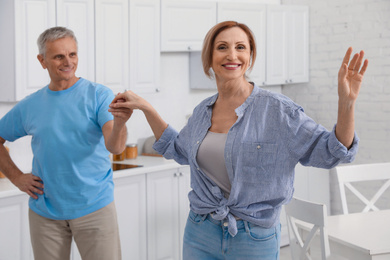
pixel 351 76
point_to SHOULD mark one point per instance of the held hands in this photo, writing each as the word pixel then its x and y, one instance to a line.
pixel 129 100
pixel 126 102
pixel 121 114
pixel 350 78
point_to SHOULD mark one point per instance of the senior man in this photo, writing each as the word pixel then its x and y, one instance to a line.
pixel 71 184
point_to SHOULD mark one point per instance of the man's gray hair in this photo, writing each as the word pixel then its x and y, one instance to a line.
pixel 53 34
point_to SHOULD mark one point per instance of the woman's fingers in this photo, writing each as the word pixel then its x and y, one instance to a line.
pixel 364 68
pixel 347 56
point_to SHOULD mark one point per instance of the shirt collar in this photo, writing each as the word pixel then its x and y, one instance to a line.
pixel 241 109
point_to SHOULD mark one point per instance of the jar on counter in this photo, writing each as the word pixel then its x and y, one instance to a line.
pixel 131 151
pixel 119 157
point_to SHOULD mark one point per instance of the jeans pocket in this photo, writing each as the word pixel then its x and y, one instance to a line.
pixel 258 233
pixel 195 218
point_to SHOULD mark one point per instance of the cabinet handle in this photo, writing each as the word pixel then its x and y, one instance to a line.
pixel 175 174
pixel 180 174
pixel 291 80
pixel 189 48
pixel 286 80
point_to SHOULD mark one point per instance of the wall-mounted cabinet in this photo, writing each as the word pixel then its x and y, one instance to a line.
pixel 118 40
pixel 79 16
pixel 287 44
pixel 185 24
pixel 21 22
pixel 144 45
pixel 281 33
pixel 112 43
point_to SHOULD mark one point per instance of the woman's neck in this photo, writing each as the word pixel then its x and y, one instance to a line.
pixel 234 89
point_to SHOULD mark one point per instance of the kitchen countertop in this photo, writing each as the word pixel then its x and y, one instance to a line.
pixel 149 164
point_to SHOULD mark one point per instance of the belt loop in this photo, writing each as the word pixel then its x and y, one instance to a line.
pixel 204 216
pixel 246 226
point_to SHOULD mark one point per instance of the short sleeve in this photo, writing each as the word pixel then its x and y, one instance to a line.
pixel 11 125
pixel 104 99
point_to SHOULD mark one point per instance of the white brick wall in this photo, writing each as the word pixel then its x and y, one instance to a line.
pixel 334 26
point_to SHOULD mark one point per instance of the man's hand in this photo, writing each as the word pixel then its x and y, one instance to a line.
pixel 29 184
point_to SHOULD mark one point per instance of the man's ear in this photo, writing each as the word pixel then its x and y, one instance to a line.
pixel 41 60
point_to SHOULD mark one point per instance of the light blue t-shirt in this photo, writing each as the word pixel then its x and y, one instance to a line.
pixel 68 146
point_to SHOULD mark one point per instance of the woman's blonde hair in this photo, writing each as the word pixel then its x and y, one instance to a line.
pixel 208 44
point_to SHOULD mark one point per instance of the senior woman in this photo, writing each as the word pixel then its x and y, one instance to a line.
pixel 242 145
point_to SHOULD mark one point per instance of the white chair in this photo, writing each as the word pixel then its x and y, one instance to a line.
pixel 346 175
pixel 305 215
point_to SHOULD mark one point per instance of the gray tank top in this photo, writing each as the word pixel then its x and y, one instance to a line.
pixel 211 160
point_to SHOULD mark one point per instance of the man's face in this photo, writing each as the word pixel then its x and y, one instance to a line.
pixel 61 59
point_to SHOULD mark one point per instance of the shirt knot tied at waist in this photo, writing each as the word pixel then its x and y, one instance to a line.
pixel 223 213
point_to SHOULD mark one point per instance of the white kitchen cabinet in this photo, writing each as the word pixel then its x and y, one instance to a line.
pixel 287 44
pixel 184 203
pixel 254 16
pixel 78 15
pixel 21 22
pixel 130 201
pixel 299 44
pixel 112 44
pixel 144 45
pixel 14 228
pixel 184 24
pixel 167 211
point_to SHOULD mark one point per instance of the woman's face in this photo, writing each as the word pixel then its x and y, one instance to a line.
pixel 231 54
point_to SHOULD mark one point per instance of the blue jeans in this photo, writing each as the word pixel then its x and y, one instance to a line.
pixel 207 238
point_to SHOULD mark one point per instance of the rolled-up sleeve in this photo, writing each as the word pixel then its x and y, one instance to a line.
pixel 338 150
pixel 171 146
pixel 313 145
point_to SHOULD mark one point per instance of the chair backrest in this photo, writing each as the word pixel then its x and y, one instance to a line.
pixel 360 173
pixel 312 216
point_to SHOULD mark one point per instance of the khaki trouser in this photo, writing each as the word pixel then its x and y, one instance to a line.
pixel 96 236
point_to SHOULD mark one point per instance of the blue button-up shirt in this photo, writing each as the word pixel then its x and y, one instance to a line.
pixel 271 135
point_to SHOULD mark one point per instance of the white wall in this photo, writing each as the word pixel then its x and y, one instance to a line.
pixel 334 26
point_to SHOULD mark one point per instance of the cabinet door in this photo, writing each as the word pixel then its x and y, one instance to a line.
pixel 78 15
pixel 130 201
pixel 298 29
pixel 14 228
pixel 254 16
pixel 32 17
pixel 277 63
pixel 184 24
pixel 163 215
pixel 144 45
pixel 287 44
pixel 184 203
pixel 112 44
